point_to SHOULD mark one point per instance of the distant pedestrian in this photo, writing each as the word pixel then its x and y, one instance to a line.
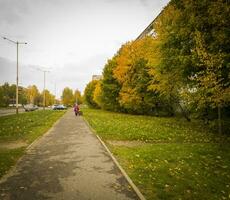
pixel 76 109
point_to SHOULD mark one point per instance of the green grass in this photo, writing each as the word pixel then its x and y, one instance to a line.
pixel 116 126
pixel 25 127
pixel 180 160
pixel 8 158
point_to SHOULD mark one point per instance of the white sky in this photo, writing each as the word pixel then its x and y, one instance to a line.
pixel 71 38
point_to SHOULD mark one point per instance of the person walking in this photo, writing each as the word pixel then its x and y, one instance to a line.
pixel 76 109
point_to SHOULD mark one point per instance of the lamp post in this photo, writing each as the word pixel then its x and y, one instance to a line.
pixel 17 43
pixel 44 90
pixel 44 94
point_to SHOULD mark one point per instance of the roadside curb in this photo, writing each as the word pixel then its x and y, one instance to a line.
pixel 134 187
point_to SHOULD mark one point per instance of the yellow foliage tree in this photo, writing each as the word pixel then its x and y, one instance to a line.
pixel 49 98
pixel 97 94
pixel 68 97
pixel 31 93
pixel 136 64
pixel 78 97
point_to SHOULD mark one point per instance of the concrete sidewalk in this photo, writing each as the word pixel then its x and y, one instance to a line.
pixel 67 163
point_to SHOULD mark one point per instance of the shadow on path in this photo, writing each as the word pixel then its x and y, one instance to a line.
pixel 68 163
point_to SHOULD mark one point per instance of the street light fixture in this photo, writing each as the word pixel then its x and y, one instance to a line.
pixel 17 43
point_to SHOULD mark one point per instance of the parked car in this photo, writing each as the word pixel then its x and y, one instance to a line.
pixel 59 107
pixel 53 107
pixel 30 107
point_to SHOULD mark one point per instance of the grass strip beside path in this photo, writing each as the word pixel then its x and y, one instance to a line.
pixel 22 129
pixel 174 160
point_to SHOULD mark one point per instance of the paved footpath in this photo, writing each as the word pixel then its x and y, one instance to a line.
pixel 67 163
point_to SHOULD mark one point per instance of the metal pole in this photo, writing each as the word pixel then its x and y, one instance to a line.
pixel 17 83
pixel 44 94
pixel 17 43
pixel 55 93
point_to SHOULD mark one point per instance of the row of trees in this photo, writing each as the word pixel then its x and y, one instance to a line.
pixel 70 97
pixel 30 94
pixel 184 68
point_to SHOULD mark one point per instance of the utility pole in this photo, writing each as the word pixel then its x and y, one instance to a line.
pixel 17 43
pixel 44 92
pixel 55 92
pixel 44 87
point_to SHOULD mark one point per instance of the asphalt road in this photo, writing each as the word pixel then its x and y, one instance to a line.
pixel 10 111
pixel 67 163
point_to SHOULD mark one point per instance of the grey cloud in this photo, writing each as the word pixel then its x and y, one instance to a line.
pixel 7 71
pixel 12 10
pixel 144 2
pixel 27 74
pixel 68 35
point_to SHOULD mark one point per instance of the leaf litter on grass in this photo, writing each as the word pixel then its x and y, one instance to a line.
pixel 176 159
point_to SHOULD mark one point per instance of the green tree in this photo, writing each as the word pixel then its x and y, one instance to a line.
pixel 110 87
pixel 22 98
pixel 2 103
pixel 5 98
pixel 8 95
pixel 194 43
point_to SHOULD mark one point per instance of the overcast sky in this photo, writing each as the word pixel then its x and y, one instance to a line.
pixel 71 38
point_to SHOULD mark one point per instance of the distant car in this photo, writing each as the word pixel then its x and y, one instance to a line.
pixel 30 107
pixel 53 107
pixel 59 107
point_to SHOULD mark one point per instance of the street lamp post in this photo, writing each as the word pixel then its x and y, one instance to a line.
pixel 17 43
pixel 44 90
pixel 44 94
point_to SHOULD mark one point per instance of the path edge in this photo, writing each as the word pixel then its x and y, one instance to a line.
pixel 13 169
pixel 45 134
pixel 129 180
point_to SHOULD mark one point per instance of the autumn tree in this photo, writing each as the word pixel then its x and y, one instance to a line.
pixel 97 94
pixel 89 94
pixel 49 98
pixel 68 96
pixel 135 71
pixel 39 99
pixel 77 97
pixel 32 93
pixel 8 95
pixel 185 66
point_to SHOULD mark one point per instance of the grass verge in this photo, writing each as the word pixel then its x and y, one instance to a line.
pixel 175 159
pixel 18 131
